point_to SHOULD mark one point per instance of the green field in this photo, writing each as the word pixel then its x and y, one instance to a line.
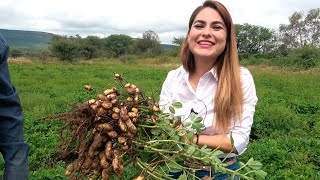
pixel 285 136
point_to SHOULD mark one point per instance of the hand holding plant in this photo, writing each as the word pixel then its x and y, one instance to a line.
pixel 125 129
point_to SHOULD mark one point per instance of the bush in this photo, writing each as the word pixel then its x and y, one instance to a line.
pixel 42 55
pixel 305 57
pixel 129 58
pixel 268 59
pixel 64 49
pixel 173 52
pixel 14 53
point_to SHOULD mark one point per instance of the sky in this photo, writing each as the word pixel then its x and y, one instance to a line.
pixel 167 18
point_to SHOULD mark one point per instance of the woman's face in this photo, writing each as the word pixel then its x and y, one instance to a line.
pixel 207 36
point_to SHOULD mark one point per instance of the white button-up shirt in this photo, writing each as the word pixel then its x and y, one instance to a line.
pixel 177 88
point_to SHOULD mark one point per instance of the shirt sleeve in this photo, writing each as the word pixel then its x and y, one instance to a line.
pixel 5 82
pixel 10 107
pixel 241 131
pixel 166 92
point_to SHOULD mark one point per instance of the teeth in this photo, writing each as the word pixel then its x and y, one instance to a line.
pixel 205 43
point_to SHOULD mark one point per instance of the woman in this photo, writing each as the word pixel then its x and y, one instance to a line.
pixel 212 84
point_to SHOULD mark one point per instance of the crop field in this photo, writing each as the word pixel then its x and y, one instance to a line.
pixel 285 137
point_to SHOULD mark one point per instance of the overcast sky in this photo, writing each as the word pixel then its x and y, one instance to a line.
pixel 168 18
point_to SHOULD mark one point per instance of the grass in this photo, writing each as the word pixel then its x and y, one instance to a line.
pixel 285 136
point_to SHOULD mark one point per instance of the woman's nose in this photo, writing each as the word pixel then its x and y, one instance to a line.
pixel 207 32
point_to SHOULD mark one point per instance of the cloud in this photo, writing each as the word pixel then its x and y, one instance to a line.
pixel 168 18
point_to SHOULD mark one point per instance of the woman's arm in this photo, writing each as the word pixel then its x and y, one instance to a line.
pixel 222 142
pixel 240 131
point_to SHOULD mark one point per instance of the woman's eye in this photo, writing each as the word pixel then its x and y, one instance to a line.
pixel 217 27
pixel 198 26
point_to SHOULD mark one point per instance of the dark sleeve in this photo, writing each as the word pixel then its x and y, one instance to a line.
pixel 5 82
pixel 10 107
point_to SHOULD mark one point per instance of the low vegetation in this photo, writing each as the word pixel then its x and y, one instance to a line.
pixel 285 135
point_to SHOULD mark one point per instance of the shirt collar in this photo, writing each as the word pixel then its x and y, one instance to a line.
pixel 212 71
pixel 184 73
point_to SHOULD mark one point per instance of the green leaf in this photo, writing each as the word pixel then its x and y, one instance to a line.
pixel 190 136
pixel 254 164
pixel 198 120
pixel 183 176
pixel 192 116
pixel 217 152
pixel 166 122
pixel 171 132
pixel 260 174
pixel 250 160
pixel 155 132
pixel 178 118
pixel 222 169
pixel 205 150
pixel 188 124
pixel 197 127
pixel 215 167
pixel 214 159
pixel 174 166
pixel 172 109
pixel 197 153
pixel 163 115
pixel 177 105
pixel 245 167
pixel 175 138
pixel 241 164
pixel 191 150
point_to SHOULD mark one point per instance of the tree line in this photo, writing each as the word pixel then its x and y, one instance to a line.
pixel 115 45
pixel 302 32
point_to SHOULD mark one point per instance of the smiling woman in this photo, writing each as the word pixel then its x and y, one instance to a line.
pixel 212 83
pixel 207 36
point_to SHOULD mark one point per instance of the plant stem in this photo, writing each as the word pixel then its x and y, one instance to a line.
pixel 146 126
pixel 151 171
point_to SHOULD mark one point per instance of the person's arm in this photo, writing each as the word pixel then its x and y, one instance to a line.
pixel 5 82
pixel 10 107
pixel 222 142
pixel 241 131
pixel 14 149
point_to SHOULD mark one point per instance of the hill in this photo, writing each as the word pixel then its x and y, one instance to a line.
pixel 29 40
pixel 36 40
pixel 167 46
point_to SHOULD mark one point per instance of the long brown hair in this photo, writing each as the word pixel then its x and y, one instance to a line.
pixel 228 101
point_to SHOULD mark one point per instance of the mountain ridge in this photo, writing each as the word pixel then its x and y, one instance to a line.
pixel 29 40
pixel 36 40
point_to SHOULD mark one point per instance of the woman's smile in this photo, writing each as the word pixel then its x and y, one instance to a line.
pixel 205 44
